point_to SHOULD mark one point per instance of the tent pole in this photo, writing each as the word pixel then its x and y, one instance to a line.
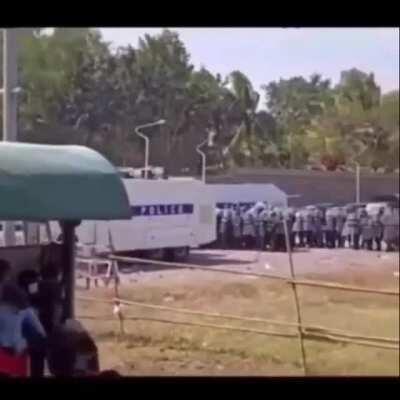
pixel 68 261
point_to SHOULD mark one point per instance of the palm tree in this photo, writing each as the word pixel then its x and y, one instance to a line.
pixel 245 99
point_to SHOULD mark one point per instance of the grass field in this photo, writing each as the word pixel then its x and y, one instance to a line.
pixel 156 348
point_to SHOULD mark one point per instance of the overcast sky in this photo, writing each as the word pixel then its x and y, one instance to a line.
pixel 266 54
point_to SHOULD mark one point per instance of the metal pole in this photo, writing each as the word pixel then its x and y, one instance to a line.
pixel 10 81
pixel 203 160
pixel 146 151
pixel 296 296
pixel 147 142
pixel 146 156
pixel 9 107
pixel 358 183
pixel 68 257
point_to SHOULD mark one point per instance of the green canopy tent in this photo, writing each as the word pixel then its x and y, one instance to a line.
pixel 63 183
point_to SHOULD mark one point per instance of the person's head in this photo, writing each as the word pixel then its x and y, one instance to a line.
pixel 28 281
pixel 5 269
pixel 14 296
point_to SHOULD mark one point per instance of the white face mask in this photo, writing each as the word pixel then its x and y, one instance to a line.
pixel 33 288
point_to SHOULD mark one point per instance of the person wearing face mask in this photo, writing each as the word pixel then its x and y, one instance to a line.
pixel 14 359
pixel 28 281
pixel 20 329
pixel 237 228
pixel 49 299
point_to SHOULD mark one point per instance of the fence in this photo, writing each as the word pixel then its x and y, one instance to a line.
pixel 309 332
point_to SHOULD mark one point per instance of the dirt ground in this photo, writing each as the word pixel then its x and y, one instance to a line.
pixel 163 348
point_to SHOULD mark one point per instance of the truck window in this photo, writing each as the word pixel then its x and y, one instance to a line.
pixel 18 228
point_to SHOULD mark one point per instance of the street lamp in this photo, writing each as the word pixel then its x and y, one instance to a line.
pixel 358 191
pixel 210 142
pixel 147 141
pixel 203 159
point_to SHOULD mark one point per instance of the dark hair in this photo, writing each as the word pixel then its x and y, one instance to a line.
pixel 4 269
pixel 11 294
pixel 65 344
pixel 27 277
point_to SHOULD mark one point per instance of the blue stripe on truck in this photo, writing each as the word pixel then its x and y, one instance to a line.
pixel 161 210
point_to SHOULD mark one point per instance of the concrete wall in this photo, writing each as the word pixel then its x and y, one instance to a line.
pixel 316 186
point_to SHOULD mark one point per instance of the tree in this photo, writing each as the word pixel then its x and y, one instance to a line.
pixel 47 64
pixel 389 120
pixel 294 103
pixel 360 88
pixel 76 90
pixel 164 70
pixel 68 87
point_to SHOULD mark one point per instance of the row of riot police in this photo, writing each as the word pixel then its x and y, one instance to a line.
pixel 262 227
pixel 259 227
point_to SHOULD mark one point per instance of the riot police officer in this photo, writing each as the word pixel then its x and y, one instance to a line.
pixel 237 227
pixel 340 221
pixel 229 228
pixel 278 240
pixel 224 227
pixel 290 220
pixel 261 228
pixel 218 215
pixel 352 229
pixel 249 232
pixel 269 227
pixel 366 230
pixel 330 228
pixel 377 229
pixel 308 226
pixel 318 228
pixel 298 227
pixel 390 220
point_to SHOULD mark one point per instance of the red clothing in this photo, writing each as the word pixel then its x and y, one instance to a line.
pixel 16 366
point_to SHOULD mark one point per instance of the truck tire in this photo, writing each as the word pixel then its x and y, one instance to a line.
pixel 178 254
pixel 156 254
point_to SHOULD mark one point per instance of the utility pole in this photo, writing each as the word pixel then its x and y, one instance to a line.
pixel 147 143
pixel 10 82
pixel 203 160
pixel 9 91
pixel 358 183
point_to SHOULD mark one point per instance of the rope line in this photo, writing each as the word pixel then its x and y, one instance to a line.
pixel 308 329
pixel 308 336
pixel 303 282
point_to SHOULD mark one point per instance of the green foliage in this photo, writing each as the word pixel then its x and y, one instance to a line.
pixel 77 90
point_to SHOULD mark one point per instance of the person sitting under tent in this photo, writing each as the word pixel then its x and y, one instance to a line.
pixel 20 328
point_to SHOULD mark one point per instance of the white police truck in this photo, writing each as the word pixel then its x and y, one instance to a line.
pixel 169 217
pixel 19 237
